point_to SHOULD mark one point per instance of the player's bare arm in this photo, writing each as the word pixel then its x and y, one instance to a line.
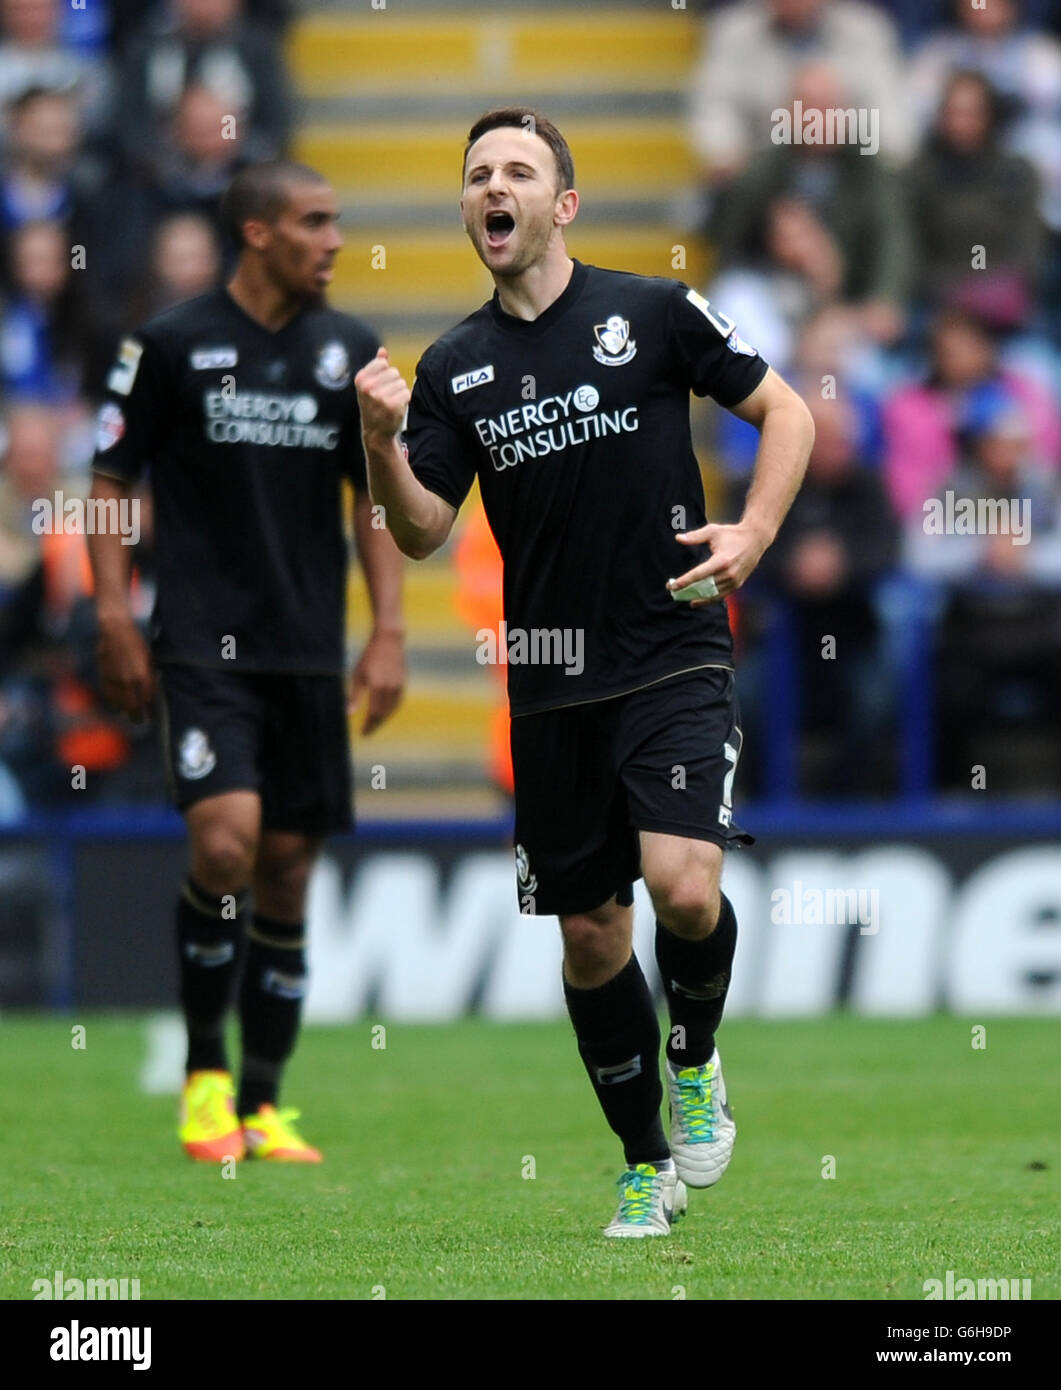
pixel 787 435
pixel 380 669
pixel 418 519
pixel 126 674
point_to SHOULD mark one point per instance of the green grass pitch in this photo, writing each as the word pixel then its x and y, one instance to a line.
pixel 946 1158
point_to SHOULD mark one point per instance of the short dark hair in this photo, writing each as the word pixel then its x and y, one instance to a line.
pixel 534 123
pixel 260 192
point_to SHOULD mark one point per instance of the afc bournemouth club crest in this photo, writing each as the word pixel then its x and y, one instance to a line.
pixel 528 882
pixel 333 366
pixel 195 757
pixel 614 346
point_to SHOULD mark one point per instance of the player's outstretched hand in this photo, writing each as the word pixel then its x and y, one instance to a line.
pixel 735 551
pixel 380 672
pixel 126 677
pixel 382 396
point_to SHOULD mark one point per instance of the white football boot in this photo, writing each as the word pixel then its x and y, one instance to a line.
pixel 649 1202
pixel 702 1127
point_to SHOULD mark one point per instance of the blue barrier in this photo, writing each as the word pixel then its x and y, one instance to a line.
pixel 778 817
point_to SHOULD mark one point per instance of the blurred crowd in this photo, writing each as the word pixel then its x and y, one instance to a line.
pixel 911 293
pixel 121 122
pixel 903 271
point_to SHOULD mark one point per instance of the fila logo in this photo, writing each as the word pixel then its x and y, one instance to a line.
pixel 214 357
pixel 479 376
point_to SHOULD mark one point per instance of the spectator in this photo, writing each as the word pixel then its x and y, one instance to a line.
pixel 833 361
pixel 998 648
pixel 752 51
pixel 854 199
pixel 205 44
pixel 29 470
pixel 197 158
pixel 32 54
pixel 191 166
pixel 42 337
pixel 775 284
pixel 27 717
pixel 965 190
pixel 1024 67
pixel 838 541
pixel 42 148
pixel 185 261
pixel 926 425
pixel 784 306
pixel 50 715
pixel 127 17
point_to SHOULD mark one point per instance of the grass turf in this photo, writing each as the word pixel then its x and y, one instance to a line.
pixel 946 1158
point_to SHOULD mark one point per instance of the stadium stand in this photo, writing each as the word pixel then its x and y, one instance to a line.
pixel 381 101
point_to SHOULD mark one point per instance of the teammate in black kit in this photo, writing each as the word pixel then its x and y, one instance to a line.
pixel 242 404
pixel 568 395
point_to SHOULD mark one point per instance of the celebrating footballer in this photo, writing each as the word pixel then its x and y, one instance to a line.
pixel 567 395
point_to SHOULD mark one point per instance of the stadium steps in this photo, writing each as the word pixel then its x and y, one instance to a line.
pixel 386 99
pixel 438 735
pixel 618 51
pixel 438 273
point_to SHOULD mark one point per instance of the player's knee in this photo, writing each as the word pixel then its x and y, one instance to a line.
pixel 593 945
pixel 222 859
pixel 280 883
pixel 688 903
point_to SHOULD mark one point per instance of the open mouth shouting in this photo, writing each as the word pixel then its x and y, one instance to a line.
pixel 499 227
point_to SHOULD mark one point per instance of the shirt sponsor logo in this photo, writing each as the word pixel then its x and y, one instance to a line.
pixel 479 376
pixel 614 346
pixel 207 358
pixel 252 417
pixel 333 366
pixel 110 426
pixel 557 424
pixel 123 373
pixel 196 759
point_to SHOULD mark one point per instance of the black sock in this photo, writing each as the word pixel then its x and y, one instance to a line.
pixel 270 1007
pixel 208 929
pixel 618 1040
pixel 696 979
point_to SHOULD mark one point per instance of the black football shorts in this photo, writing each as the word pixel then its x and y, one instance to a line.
pixel 283 736
pixel 589 777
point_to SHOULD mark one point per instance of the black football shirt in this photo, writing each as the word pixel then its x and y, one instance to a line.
pixel 577 424
pixel 247 434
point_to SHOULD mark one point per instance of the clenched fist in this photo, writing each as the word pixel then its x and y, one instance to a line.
pixel 382 396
